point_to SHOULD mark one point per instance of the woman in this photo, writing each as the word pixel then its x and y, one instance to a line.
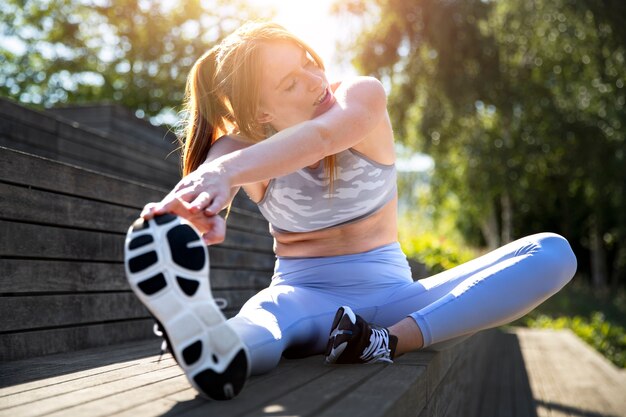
pixel 318 158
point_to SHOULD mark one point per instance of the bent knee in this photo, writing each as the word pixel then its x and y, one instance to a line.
pixel 558 257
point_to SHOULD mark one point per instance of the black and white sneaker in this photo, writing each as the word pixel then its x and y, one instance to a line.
pixel 353 340
pixel 167 266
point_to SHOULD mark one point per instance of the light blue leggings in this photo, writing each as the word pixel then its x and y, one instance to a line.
pixel 294 314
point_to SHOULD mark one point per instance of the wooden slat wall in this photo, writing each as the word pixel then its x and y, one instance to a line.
pixel 54 137
pixel 62 284
pixel 114 119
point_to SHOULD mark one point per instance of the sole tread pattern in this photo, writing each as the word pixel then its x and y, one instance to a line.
pixel 167 266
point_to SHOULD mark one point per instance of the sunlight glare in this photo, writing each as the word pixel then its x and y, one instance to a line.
pixel 312 22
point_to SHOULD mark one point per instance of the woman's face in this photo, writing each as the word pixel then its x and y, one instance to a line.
pixel 293 88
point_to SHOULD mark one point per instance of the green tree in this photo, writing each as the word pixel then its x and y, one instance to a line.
pixel 520 104
pixel 133 52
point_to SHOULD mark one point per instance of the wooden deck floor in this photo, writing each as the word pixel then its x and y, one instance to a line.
pixel 531 373
pixel 547 373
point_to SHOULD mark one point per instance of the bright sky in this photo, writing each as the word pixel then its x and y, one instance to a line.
pixel 312 22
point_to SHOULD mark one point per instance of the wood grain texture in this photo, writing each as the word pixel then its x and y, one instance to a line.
pixel 19 276
pixel 30 170
pixel 63 222
pixel 15 346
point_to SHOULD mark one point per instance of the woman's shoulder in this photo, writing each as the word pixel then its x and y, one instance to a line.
pixel 358 82
pixel 361 91
pixel 227 144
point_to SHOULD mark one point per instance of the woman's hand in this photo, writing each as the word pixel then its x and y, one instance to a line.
pixel 198 198
pixel 205 189
pixel 211 227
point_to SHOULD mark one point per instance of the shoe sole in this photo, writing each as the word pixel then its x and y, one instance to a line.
pixel 340 334
pixel 167 267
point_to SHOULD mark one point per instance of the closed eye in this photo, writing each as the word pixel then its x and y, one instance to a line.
pixel 291 86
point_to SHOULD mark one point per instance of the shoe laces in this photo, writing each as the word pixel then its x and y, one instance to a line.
pixel 378 349
pixel 157 329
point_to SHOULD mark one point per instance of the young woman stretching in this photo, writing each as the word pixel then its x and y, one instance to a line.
pixel 318 159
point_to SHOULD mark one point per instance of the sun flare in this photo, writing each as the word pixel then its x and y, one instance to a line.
pixel 313 23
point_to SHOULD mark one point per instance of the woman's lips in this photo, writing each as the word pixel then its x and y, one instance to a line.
pixel 325 104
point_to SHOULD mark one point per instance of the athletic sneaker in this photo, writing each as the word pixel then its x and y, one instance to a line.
pixel 353 340
pixel 167 266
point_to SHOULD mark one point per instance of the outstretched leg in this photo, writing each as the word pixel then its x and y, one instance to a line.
pixel 489 291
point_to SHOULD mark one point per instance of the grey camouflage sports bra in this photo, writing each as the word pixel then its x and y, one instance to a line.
pixel 300 201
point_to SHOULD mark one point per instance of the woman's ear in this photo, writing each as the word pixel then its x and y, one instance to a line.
pixel 263 117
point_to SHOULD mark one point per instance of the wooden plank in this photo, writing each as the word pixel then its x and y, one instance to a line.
pixel 173 400
pixel 48 276
pixel 397 390
pixel 43 207
pixel 229 258
pixel 35 241
pixel 241 219
pixel 47 242
pixel 19 276
pixel 51 132
pixel 33 312
pixel 14 346
pixel 315 395
pixel 28 205
pixel 42 311
pixel 64 402
pixel 94 379
pixel 569 377
pixel 156 399
pixel 86 114
pixel 257 395
pixel 234 279
pixel 26 147
pixel 20 168
pixel 32 373
pixel 75 142
pixel 13 110
pixel 93 152
pixel 239 239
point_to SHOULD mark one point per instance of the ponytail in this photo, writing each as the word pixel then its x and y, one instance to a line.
pixel 222 94
pixel 207 117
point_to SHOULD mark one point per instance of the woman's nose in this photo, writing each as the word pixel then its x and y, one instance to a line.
pixel 315 81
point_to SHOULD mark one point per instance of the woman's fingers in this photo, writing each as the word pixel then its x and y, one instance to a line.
pixel 201 202
pixel 217 232
pixel 175 201
pixel 148 211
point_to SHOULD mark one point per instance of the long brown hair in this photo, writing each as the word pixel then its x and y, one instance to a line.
pixel 222 92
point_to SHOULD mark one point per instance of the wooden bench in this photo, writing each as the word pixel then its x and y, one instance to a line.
pixel 62 283
pixel 75 341
pixel 129 380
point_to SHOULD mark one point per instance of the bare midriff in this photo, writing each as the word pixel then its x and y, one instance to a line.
pixel 374 231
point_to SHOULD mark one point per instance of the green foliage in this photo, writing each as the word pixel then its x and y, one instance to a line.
pixel 133 52
pixel 599 318
pixel 439 250
pixel 521 106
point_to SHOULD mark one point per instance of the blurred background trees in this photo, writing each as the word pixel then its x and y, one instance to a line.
pixel 134 53
pixel 521 105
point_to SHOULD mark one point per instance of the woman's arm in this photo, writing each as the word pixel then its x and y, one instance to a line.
pixel 360 107
pixel 211 226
